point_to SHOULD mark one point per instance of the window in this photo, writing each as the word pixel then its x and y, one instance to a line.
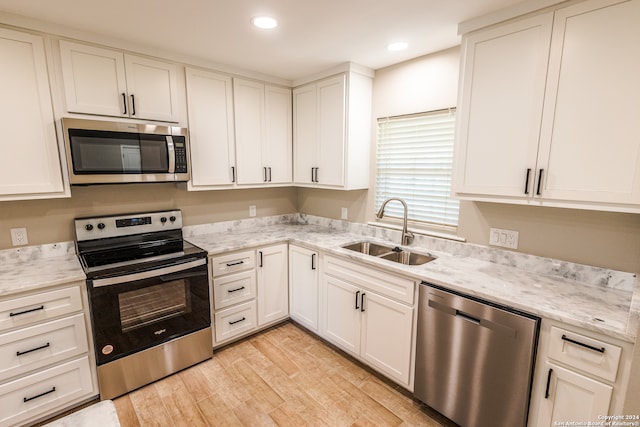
pixel 414 162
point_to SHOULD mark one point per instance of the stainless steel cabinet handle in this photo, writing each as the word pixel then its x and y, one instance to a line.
pixel 581 344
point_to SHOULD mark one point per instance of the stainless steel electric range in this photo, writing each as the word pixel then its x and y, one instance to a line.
pixel 149 297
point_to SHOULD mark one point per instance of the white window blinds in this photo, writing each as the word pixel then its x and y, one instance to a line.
pixel 414 162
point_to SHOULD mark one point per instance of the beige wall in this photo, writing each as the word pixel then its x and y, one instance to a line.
pixel 428 83
pixel 49 221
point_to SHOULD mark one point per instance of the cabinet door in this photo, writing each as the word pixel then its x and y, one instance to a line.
pixel 277 147
pixel 590 147
pixel 30 162
pixel 94 80
pixel 572 397
pixel 273 284
pixel 248 105
pixel 211 134
pixel 331 131
pixel 305 133
pixel 153 89
pixel 343 316
pixel 501 101
pixel 386 336
pixel 303 286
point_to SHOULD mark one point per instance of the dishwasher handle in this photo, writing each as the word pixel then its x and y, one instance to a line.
pixel 485 323
pixel 468 317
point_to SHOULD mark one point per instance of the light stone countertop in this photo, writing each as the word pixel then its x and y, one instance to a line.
pixel 573 294
pixel 38 267
pixel 611 311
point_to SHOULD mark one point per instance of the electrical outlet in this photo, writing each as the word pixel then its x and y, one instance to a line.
pixel 344 214
pixel 252 210
pixel 504 238
pixel 19 236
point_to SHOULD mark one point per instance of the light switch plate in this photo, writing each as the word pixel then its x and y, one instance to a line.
pixel 344 213
pixel 504 238
pixel 252 210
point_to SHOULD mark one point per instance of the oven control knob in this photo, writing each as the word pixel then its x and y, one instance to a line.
pixel 101 226
pixel 163 219
pixel 88 227
pixel 172 218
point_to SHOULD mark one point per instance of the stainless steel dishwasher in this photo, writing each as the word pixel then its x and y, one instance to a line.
pixel 474 359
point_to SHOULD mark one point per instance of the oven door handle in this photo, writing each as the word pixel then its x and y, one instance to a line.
pixel 148 274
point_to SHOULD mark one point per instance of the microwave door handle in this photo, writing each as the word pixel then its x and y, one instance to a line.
pixel 171 151
pixel 148 274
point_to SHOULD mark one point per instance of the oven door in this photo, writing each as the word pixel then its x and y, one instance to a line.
pixel 136 311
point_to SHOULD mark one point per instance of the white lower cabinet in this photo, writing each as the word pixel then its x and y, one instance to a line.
pixel 580 376
pixel 45 365
pixel 572 397
pixel 303 286
pixel 273 284
pixel 368 323
pixel 250 291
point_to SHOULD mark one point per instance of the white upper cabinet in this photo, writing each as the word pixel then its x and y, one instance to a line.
pixel 504 74
pixel 110 83
pixel 559 132
pixel 263 133
pixel 30 165
pixel 590 142
pixel 332 132
pixel 211 132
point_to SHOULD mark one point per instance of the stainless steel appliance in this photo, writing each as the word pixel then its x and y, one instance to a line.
pixel 474 359
pixel 149 297
pixel 101 152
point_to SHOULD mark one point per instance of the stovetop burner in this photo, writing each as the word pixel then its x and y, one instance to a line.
pixel 121 244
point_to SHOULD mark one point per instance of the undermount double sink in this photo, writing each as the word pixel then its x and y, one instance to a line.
pixel 390 253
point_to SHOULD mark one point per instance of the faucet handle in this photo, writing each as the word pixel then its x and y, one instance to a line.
pixel 408 237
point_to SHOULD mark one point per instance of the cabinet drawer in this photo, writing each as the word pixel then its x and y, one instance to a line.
pixel 398 288
pixel 235 321
pixel 587 354
pixel 224 264
pixel 44 392
pixel 35 308
pixel 44 344
pixel 234 288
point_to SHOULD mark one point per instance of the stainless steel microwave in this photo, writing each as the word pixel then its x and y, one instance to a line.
pixel 102 152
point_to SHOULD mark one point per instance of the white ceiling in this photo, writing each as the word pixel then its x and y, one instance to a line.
pixel 312 36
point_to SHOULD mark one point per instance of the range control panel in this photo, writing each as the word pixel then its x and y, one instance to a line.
pixel 127 224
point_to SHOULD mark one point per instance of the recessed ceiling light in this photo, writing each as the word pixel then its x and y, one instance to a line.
pixel 397 46
pixel 264 22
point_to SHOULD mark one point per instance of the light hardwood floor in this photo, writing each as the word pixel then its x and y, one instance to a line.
pixel 283 376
